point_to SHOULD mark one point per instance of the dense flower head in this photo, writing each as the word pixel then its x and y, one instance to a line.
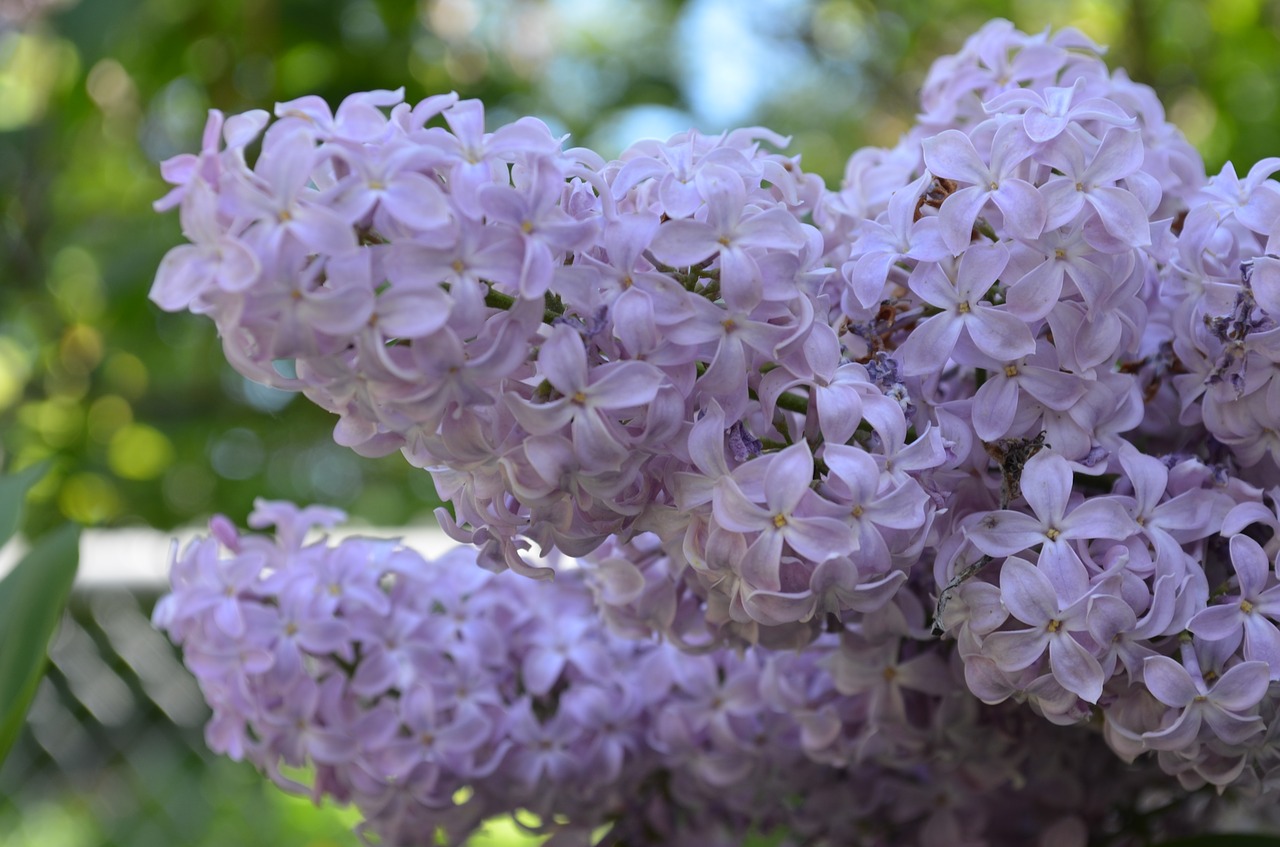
pixel 575 348
pixel 996 420
pixel 435 696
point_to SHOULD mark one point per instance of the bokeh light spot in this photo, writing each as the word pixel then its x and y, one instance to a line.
pixel 76 281
pixel 89 498
pixel 237 454
pixel 138 451
pixel 108 415
pixel 33 67
pixel 126 374
pixel 15 370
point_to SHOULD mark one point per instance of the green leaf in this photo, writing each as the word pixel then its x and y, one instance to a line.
pixel 13 491
pixel 31 600
pixel 1225 840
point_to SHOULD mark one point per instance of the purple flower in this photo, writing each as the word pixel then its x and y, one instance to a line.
pixel 1047 116
pixel 1223 706
pixel 896 235
pixel 959 294
pixel 585 395
pixel 951 154
pixel 1250 614
pixel 531 210
pixel 276 197
pixel 214 259
pixel 730 231
pixel 1118 156
pixel 1046 486
pixel 790 513
pixel 1053 613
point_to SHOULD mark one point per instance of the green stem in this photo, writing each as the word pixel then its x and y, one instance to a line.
pixel 553 306
pixel 793 403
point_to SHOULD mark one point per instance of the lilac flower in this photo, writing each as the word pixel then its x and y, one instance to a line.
pixel 882 243
pixel 1250 614
pixel 1068 255
pixel 951 154
pixel 1047 116
pixel 276 198
pixel 1223 707
pixel 1119 155
pixel 475 155
pixel 394 188
pixel 358 119
pixel 584 395
pixel 1166 524
pixel 790 513
pixel 1046 486
pixel 654 362
pixel 728 233
pixel 215 258
pixel 995 404
pixel 959 294
pixel 531 211
pixel 1053 613
pixel 1254 200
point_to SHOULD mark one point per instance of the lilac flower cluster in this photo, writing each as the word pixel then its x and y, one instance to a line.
pixel 565 342
pixel 1014 384
pixel 1094 330
pixel 435 696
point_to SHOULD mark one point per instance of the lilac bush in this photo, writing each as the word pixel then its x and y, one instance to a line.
pixel 880 503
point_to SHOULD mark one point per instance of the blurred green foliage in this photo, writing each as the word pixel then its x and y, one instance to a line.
pixel 143 422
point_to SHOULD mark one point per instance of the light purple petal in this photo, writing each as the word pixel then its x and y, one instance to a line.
pixel 1242 687
pixel 1046 485
pixel 1169 682
pixel 1099 517
pixel 819 539
pixel 1037 292
pixel 563 360
pixel 1217 623
pixel 622 385
pixel 1262 642
pixel 1027 593
pixel 735 512
pixel 1251 565
pixel 999 334
pixel 958 214
pixel 929 345
pixel 789 476
pixel 1013 651
pixel 681 243
pixel 1022 206
pixel 1075 668
pixel 1005 533
pixel 1062 202
pixel 540 669
pixel 1055 389
pixel 415 200
pixel 1041 126
pixel 867 277
pixel 950 154
pixel 1122 215
pixel 1119 155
